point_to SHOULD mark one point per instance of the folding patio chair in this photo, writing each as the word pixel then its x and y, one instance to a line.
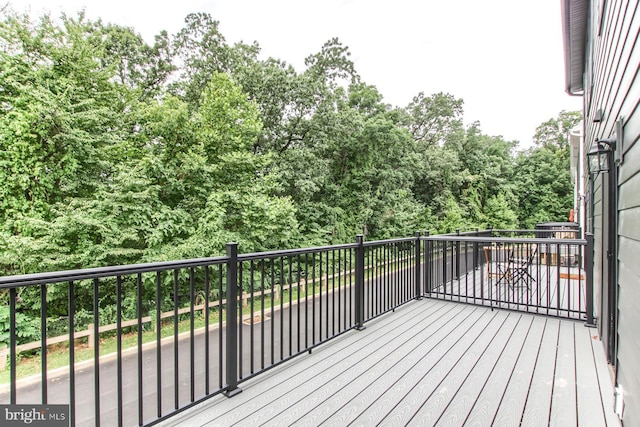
pixel 519 273
pixel 498 262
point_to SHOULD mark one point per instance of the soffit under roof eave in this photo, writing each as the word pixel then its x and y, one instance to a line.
pixel 575 15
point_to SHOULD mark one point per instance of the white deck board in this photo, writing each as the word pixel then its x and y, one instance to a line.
pixel 431 362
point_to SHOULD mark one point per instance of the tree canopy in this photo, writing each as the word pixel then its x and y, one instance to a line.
pixel 114 151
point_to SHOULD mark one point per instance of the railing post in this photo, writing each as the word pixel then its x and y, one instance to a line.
pixel 457 266
pixel 588 259
pixel 418 265
pixel 476 252
pixel 428 267
pixel 359 292
pixel 231 361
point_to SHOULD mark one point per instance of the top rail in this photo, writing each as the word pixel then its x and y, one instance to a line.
pixel 540 240
pixel 98 272
pixel 292 252
pixel 123 270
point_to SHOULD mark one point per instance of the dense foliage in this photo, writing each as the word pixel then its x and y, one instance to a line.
pixel 111 152
pixel 115 151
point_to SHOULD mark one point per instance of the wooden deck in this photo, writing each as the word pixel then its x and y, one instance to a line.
pixel 432 362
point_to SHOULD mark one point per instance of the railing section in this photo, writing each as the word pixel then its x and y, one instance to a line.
pixel 163 351
pixel 540 275
pixel 140 343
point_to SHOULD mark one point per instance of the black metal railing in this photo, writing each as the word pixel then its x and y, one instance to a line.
pixel 153 346
pixel 542 275
pixel 144 342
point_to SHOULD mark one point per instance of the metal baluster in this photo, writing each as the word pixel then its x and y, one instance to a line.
pixel 232 321
pixel 176 379
pixel 72 355
pixel 207 290
pixel 158 343
pixel 192 337
pixel 239 301
pixel 13 343
pixel 96 353
pixel 119 347
pixel 139 313
pixel 262 298
pixel 43 341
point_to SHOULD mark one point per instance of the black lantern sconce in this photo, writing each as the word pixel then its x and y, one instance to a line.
pixel 600 156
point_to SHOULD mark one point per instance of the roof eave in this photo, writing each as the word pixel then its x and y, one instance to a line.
pixel 575 14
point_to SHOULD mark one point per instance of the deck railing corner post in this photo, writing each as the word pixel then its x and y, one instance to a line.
pixel 231 327
pixel 359 291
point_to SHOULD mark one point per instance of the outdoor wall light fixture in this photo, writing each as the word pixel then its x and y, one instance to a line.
pixel 599 157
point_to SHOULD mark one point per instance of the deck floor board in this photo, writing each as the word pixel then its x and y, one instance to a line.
pixel 486 405
pixel 590 409
pixel 485 347
pixel 362 392
pixel 461 403
pixel 431 362
pixel 563 404
pixel 537 408
pixel 428 387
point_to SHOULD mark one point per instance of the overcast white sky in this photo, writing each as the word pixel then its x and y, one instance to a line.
pixel 503 57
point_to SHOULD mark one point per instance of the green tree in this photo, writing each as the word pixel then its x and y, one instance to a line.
pixel 430 119
pixel 141 68
pixel 543 182
pixel 204 51
pixel 61 114
pixel 499 214
pixel 553 133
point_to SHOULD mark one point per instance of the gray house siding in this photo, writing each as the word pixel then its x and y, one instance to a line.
pixel 612 85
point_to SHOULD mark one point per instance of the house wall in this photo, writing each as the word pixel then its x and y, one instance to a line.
pixel 612 84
